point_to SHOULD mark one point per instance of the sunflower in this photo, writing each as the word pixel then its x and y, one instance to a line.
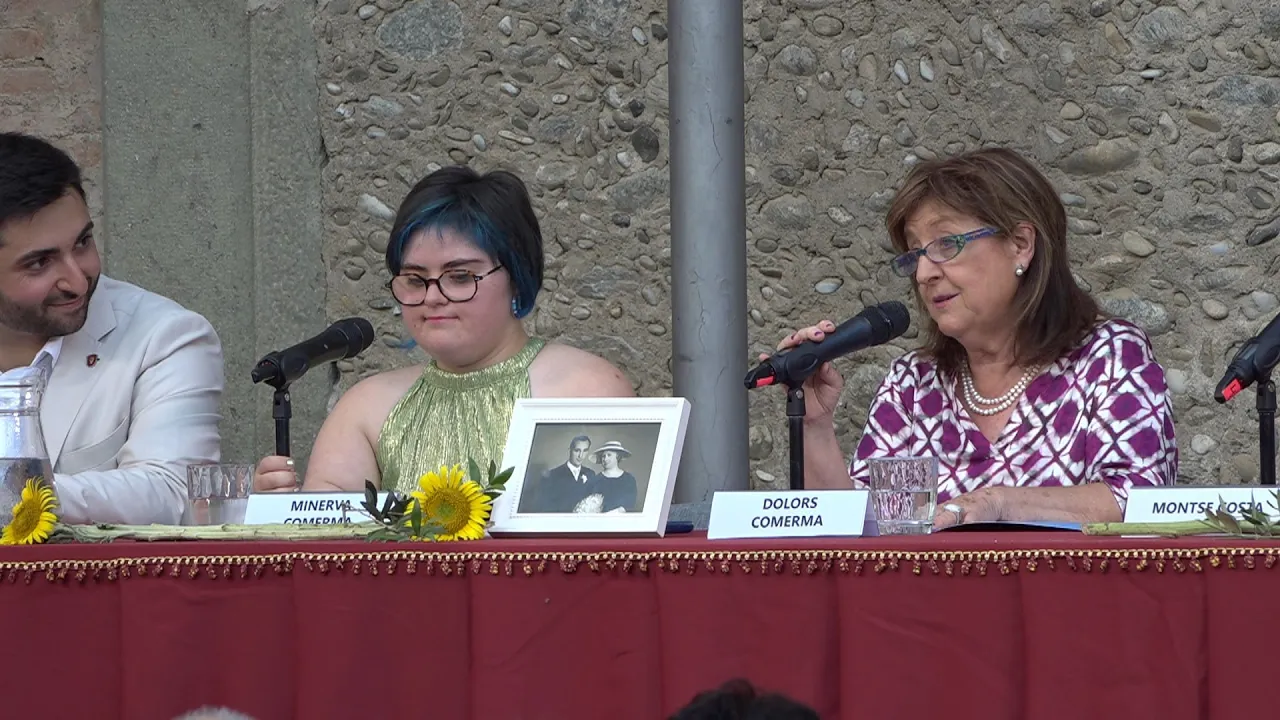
pixel 460 509
pixel 32 516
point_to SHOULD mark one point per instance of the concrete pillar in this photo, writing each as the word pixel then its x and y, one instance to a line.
pixel 212 168
pixel 708 242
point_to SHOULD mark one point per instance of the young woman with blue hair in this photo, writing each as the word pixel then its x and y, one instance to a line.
pixel 466 266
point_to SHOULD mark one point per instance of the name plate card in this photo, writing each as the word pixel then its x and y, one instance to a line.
pixel 1176 504
pixel 309 508
pixel 787 513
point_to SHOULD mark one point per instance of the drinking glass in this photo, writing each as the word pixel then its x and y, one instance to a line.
pixel 217 494
pixel 904 491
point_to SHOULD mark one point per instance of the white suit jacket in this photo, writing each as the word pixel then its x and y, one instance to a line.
pixel 133 399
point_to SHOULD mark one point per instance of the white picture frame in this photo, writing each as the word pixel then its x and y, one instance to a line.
pixel 644 436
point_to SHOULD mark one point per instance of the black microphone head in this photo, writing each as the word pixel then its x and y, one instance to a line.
pixel 359 333
pixel 1241 373
pixel 263 370
pixel 896 319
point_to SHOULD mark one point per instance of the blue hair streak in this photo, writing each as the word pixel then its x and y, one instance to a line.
pixel 479 228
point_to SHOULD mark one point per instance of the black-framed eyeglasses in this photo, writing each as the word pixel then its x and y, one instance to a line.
pixel 458 286
pixel 938 251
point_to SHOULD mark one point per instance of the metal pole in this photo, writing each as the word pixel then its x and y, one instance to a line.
pixel 708 242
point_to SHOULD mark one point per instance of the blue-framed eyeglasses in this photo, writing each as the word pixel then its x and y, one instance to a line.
pixel 938 251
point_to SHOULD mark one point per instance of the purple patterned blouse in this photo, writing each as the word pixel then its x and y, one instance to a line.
pixel 1100 414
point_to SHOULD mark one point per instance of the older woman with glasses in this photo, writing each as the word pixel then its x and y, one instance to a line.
pixel 1037 407
pixel 466 265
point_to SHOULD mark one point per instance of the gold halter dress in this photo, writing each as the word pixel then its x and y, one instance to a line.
pixel 446 418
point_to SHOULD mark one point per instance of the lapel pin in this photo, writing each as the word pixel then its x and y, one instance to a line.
pixel 91 360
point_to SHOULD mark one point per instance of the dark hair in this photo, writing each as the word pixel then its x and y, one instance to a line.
pixel 1000 188
pixel 493 210
pixel 739 700
pixel 580 438
pixel 33 175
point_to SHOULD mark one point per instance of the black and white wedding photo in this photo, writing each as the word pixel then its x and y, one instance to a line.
pixel 589 468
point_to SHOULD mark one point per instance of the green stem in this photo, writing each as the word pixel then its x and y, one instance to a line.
pixel 107 533
pixel 1169 529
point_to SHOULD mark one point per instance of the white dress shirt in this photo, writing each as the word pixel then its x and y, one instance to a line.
pixel 43 362
pixel 41 367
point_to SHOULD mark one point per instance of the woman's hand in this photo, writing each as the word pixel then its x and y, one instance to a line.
pixel 822 389
pixel 275 474
pixel 985 505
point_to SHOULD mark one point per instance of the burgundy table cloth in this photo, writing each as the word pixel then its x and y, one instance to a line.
pixel 993 626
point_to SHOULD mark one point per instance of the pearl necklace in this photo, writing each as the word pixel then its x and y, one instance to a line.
pixel 992 406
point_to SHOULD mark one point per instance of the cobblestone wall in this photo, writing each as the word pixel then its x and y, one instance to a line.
pixel 1157 121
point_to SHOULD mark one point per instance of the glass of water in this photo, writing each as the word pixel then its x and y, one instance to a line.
pixel 904 491
pixel 217 494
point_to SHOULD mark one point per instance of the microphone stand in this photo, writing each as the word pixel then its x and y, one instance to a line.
pixel 1267 431
pixel 281 407
pixel 795 428
pixel 281 412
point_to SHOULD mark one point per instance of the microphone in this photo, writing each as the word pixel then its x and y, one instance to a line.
pixel 875 325
pixel 1252 363
pixel 343 339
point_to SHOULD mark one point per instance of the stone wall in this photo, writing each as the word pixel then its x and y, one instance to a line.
pixel 572 98
pixel 51 79
pixel 1157 122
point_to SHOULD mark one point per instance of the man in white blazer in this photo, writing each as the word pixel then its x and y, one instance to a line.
pixel 134 379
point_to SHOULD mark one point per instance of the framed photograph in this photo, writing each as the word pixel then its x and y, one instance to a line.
pixel 591 466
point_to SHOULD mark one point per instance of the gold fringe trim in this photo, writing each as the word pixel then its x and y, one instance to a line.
pixel 978 563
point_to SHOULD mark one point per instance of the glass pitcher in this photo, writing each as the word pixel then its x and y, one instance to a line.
pixel 22 452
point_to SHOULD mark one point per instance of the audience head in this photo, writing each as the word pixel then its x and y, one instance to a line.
pixel 214 713
pixel 466 261
pixel 49 264
pixel 739 700
pixel 994 266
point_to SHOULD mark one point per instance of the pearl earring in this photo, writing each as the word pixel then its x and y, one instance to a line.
pixel 515 307
pixel 1019 270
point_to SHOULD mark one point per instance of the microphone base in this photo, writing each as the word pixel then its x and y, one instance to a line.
pixel 1267 432
pixel 795 428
